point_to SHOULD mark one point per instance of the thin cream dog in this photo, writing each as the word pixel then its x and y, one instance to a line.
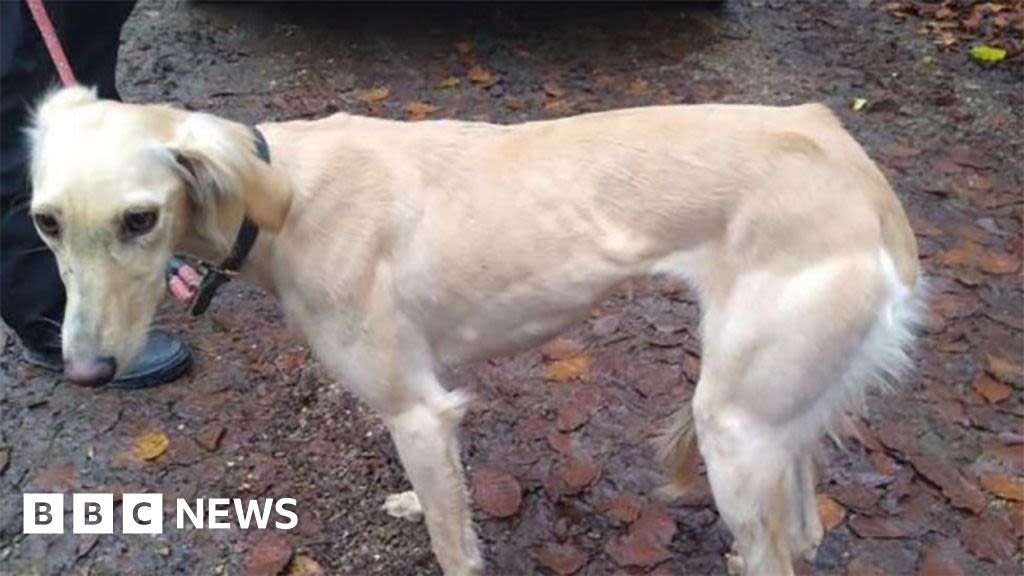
pixel 401 248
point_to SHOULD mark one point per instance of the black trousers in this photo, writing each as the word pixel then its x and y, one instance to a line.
pixel 31 292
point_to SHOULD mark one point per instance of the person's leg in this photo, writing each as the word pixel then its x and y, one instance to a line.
pixel 32 301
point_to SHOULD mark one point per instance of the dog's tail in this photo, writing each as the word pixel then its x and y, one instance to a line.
pixel 677 450
pixel 899 239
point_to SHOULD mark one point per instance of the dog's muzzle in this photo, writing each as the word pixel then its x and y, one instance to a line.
pixel 91 373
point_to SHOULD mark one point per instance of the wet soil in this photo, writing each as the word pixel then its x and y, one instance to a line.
pixel 932 487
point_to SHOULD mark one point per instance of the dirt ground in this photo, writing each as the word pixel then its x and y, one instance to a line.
pixel 563 473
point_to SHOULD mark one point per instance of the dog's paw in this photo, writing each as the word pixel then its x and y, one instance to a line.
pixel 734 564
pixel 404 505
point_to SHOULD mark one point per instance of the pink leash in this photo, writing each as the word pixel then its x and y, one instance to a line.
pixel 60 61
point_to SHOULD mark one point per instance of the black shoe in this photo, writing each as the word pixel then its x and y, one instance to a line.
pixel 164 359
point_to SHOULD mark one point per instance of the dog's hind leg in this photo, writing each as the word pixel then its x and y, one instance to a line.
pixel 805 531
pixel 783 356
pixel 747 468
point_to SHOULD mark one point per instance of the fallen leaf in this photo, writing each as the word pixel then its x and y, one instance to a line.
pixel 561 348
pixel 972 157
pixel 940 559
pixel 150 445
pixel 958 490
pixel 1003 486
pixel 831 512
pixel 562 559
pixel 944 166
pixel 953 411
pixel 858 104
pixel 999 263
pixel 866 436
pixel 556 106
pixel 624 508
pixel 1004 370
pixel 533 428
pixel 637 550
pixel 303 565
pixel 375 95
pixel 183 451
pixel 926 228
pixel 968 277
pixel 655 522
pixel 481 76
pixel 947 39
pixel 857 497
pixel 1009 455
pixel 990 389
pixel 639 87
pixel 989 538
pixel 496 492
pixel 515 103
pixel 561 443
pixel 952 306
pixel 420 110
pixel 553 89
pixel 568 369
pixel 449 82
pixel 578 472
pixel 886 527
pixel 572 415
pixel 590 397
pixel 987 54
pixel 268 556
pixel 897 435
pixel 962 255
pixel 209 437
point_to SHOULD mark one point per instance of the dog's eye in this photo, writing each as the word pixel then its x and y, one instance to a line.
pixel 138 223
pixel 47 224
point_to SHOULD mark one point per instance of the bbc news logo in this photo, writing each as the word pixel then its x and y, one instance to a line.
pixel 144 513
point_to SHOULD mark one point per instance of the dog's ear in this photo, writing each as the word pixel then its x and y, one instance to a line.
pixel 205 189
pixel 218 161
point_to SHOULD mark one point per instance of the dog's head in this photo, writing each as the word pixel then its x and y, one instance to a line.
pixel 115 187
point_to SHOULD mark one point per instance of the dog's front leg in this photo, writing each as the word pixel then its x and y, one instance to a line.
pixel 425 435
pixel 381 357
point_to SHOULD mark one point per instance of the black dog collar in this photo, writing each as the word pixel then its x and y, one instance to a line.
pixel 216 276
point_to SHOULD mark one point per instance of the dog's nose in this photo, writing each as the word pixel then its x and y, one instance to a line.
pixel 94 372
